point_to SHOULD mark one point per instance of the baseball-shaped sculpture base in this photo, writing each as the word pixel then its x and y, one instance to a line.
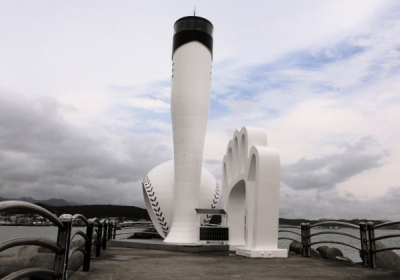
pixel 158 192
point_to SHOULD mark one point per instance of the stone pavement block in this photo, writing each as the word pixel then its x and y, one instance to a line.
pixel 131 263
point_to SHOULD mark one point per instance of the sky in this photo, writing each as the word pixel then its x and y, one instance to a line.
pixel 85 98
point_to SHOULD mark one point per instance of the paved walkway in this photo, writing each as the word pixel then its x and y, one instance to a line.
pixel 131 263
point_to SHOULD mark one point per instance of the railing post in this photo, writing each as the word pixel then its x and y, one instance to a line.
pixel 372 246
pixel 364 244
pixel 88 246
pixel 110 230
pixel 63 240
pixel 104 240
pixel 305 239
pixel 99 237
pixel 308 240
pixel 115 229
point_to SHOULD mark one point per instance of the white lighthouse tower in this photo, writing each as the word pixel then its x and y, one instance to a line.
pixel 190 105
pixel 251 169
pixel 174 190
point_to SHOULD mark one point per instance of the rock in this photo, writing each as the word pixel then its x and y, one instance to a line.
pixel 75 262
pixel 315 254
pixel 332 253
pixel 36 256
pixel 7 255
pixel 290 253
pixel 296 247
pixel 344 259
pixel 387 259
pixel 322 251
pixel 8 265
pixel 77 243
pixel 27 251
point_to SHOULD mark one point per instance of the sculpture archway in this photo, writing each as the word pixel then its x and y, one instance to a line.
pixel 236 212
pixel 250 184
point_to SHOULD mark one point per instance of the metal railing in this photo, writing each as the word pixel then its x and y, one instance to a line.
pixel 289 231
pixel 372 239
pixel 97 234
pixel 306 237
pixel 366 238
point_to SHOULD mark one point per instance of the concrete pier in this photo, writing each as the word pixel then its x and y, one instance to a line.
pixel 133 263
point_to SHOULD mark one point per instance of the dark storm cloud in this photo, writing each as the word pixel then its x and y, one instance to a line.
pixel 43 156
pixel 326 172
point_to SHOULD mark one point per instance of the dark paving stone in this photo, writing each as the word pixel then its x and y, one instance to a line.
pixel 158 264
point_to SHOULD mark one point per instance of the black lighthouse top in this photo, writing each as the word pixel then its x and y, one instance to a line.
pixel 193 28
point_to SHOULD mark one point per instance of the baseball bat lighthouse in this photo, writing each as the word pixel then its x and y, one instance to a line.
pixel 190 105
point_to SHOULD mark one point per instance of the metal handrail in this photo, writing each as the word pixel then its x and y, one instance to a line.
pixel 30 241
pixel 80 233
pixel 96 220
pixel 334 242
pixel 288 238
pixel 81 217
pixel 289 231
pixel 283 230
pixel 385 237
pixel 335 223
pixel 372 239
pixel 306 238
pixel 289 226
pixel 76 249
pixel 387 249
pixel 64 237
pixel 22 205
pixel 31 272
pixel 386 224
pixel 338 233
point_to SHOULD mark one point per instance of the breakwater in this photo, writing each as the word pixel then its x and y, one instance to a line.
pixel 64 249
pixel 347 252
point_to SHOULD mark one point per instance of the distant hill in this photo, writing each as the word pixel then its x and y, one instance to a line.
pixel 60 206
pixel 51 202
pixel 297 222
pixel 100 211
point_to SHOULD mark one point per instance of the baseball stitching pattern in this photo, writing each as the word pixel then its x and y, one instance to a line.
pixel 155 205
pixel 213 204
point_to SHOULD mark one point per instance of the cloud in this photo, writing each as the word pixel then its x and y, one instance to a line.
pixel 330 204
pixel 149 104
pixel 322 79
pixel 44 156
pixel 326 172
